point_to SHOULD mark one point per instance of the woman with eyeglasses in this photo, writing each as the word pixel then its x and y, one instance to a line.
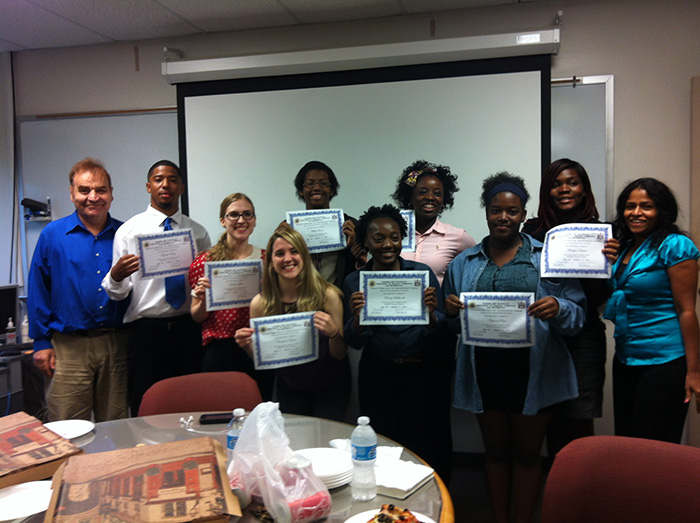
pixel 222 353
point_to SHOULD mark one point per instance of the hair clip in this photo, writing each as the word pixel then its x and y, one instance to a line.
pixel 412 178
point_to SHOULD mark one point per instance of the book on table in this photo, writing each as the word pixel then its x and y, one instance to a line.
pixel 29 451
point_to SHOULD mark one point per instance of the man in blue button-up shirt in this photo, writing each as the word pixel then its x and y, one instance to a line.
pixel 78 342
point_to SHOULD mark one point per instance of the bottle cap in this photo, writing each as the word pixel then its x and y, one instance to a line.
pixel 10 325
pixel 363 420
pixel 239 412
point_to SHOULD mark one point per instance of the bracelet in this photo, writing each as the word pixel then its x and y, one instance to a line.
pixel 336 335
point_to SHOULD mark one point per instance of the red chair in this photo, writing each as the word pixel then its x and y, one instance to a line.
pixel 205 391
pixel 618 479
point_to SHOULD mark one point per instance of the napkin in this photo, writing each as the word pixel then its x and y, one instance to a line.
pixel 395 478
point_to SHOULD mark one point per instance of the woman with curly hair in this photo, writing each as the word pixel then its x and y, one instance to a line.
pixel 566 196
pixel 396 387
pixel 656 369
pixel 428 189
pixel 237 216
pixel 510 389
pixel 291 284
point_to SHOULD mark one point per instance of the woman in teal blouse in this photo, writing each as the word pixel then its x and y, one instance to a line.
pixel 656 369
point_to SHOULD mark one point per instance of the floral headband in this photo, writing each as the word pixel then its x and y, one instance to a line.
pixel 412 177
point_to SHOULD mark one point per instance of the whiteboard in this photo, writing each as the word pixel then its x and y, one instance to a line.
pixel 127 145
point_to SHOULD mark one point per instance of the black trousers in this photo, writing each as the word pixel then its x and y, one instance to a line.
pixel 409 402
pixel 160 348
pixel 649 400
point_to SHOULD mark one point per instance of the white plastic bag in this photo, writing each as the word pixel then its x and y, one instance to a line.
pixel 264 467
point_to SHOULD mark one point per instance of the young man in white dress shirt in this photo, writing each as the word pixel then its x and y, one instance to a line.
pixel 163 341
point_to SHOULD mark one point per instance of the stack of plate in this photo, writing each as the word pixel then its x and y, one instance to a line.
pixel 332 466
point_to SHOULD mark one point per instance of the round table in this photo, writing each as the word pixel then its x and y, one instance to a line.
pixel 432 499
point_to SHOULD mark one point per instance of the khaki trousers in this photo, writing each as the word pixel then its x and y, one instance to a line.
pixel 90 376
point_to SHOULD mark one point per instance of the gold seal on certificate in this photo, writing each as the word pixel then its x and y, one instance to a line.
pixel 284 340
pixel 575 250
pixel 233 283
pixel 497 319
pixel 166 253
pixel 394 297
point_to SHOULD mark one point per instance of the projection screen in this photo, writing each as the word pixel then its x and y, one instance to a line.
pixel 253 135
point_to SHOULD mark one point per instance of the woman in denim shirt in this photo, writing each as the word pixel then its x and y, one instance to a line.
pixel 508 388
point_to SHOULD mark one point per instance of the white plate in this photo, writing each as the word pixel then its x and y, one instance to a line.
pixel 364 517
pixel 70 428
pixel 25 499
pixel 335 483
pixel 327 462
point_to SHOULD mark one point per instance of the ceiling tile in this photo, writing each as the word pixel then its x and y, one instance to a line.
pixel 321 11
pixel 431 6
pixel 28 26
pixel 216 15
pixel 122 19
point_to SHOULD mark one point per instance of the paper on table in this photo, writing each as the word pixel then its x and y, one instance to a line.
pixel 399 479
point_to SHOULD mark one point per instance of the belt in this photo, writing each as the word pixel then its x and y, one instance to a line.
pixel 401 361
pixel 168 322
pixel 93 333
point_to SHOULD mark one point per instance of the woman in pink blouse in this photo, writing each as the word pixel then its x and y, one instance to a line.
pixel 428 189
pixel 222 353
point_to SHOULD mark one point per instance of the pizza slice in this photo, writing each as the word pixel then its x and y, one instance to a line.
pixel 390 514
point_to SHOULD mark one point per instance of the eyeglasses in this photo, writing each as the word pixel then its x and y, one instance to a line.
pixel 323 184
pixel 246 215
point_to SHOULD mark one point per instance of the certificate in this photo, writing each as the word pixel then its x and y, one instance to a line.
pixel 165 253
pixel 322 229
pixel 233 283
pixel 409 242
pixel 394 297
pixel 497 319
pixel 574 250
pixel 284 340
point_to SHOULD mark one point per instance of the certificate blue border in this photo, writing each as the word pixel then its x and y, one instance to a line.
pixel 145 237
pixel 529 334
pixel 231 263
pixel 409 242
pixel 286 318
pixel 396 275
pixel 575 272
pixel 340 219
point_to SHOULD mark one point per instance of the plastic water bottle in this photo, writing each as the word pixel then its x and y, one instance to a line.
pixel 233 431
pixel 364 454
